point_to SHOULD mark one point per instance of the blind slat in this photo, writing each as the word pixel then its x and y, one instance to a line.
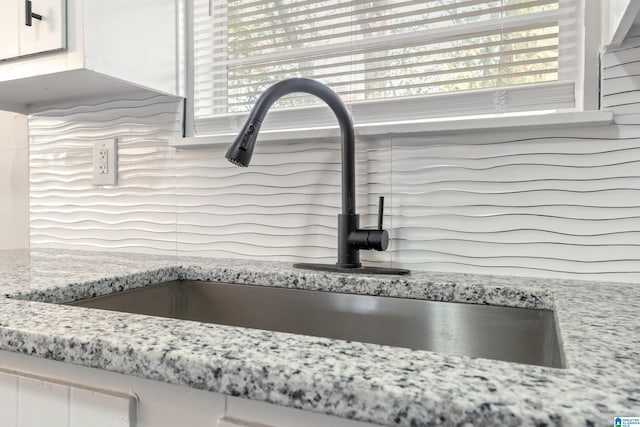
pixel 253 17
pixel 269 79
pixel 553 36
pixel 252 41
pixel 439 35
pixel 403 87
pixel 283 14
pixel 331 6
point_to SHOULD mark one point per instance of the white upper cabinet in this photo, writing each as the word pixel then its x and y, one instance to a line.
pixel 31 26
pixel 44 30
pixel 86 49
pixel 9 28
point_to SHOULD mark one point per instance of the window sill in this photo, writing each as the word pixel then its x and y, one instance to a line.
pixel 452 126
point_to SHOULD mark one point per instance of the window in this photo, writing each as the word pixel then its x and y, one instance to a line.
pixel 390 60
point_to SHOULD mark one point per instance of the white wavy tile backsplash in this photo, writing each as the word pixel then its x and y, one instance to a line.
pixel 138 214
pixel 283 207
pixel 562 203
pixel 620 90
pixel 566 205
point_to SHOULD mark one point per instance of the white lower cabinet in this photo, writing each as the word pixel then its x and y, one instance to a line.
pixel 43 393
pixel 90 408
pixel 32 401
pixel 42 403
pixel 36 392
pixel 8 399
pixel 249 413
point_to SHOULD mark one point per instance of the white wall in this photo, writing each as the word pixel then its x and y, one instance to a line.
pixel 545 203
pixel 555 203
pixel 14 181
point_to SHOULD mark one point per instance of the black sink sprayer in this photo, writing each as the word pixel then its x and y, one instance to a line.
pixel 351 238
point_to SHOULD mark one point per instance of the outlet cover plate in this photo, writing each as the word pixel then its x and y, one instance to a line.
pixel 105 168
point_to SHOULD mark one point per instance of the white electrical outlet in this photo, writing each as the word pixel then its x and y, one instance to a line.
pixel 105 162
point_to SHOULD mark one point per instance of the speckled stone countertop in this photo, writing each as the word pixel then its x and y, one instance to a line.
pixel 599 325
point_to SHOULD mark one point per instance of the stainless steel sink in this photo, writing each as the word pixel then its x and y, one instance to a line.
pixel 502 333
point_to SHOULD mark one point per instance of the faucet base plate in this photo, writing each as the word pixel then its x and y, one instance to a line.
pixel 333 268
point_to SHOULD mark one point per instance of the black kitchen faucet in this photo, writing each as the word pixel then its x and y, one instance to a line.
pixel 351 238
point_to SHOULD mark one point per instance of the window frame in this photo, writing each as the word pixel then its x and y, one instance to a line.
pixel 585 91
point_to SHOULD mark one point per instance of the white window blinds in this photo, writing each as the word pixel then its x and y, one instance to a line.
pixel 390 60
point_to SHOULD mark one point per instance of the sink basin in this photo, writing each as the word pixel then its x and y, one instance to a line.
pixel 502 333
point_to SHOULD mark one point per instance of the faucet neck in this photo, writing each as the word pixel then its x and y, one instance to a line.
pixel 341 112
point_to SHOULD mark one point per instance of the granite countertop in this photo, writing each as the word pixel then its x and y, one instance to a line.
pixel 598 322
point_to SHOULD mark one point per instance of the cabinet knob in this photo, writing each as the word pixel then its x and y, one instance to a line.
pixel 29 15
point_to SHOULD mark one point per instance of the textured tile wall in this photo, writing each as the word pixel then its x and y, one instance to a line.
pixel 283 207
pixel 563 203
pixel 139 214
pixel 621 82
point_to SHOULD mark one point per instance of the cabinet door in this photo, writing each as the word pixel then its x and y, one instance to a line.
pixel 9 19
pixel 46 34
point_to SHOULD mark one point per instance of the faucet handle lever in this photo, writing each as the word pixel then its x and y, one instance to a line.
pixel 367 238
pixel 379 239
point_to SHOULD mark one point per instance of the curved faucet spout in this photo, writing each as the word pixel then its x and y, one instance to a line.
pixel 351 238
pixel 241 150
